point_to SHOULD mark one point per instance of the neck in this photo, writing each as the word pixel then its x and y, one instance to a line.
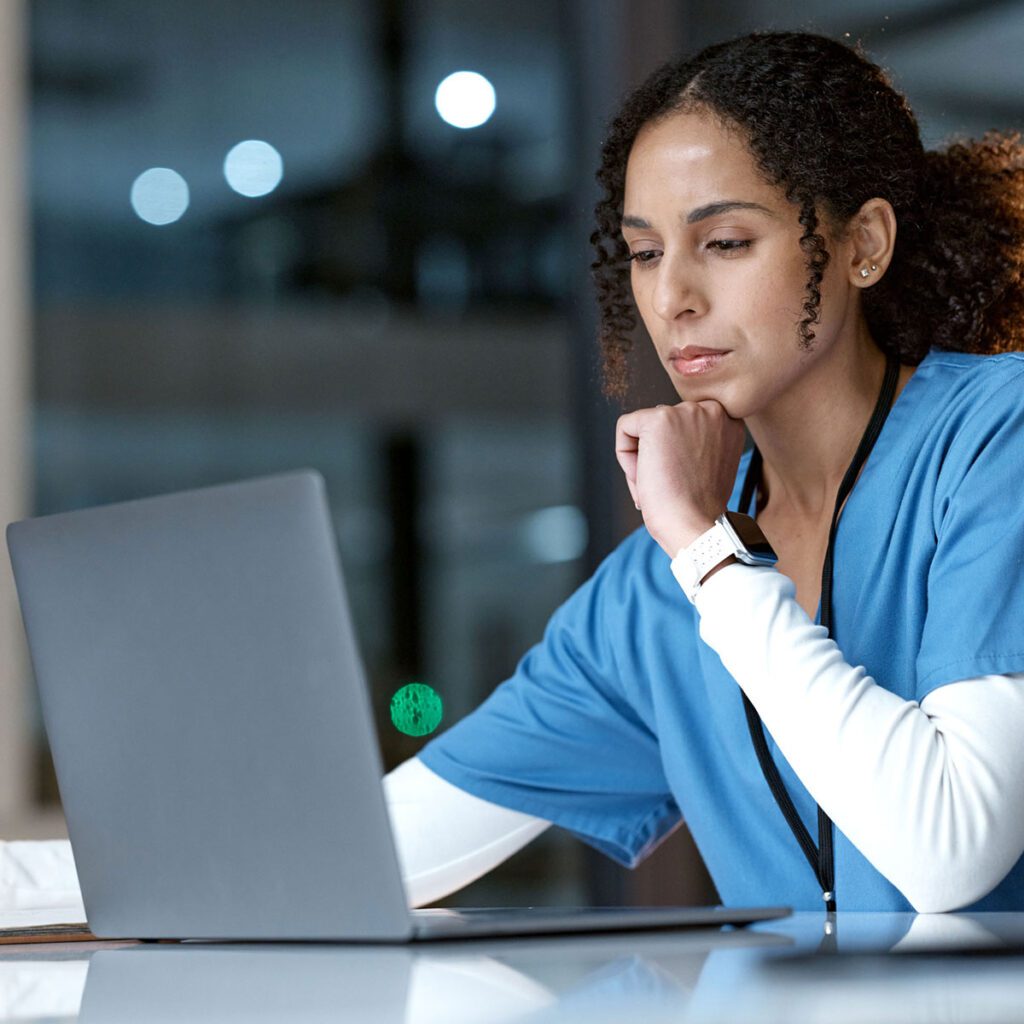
pixel 809 435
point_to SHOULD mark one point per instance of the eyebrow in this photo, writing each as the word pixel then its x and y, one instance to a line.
pixel 703 212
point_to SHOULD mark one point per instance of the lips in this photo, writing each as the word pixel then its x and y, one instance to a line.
pixel 693 351
pixel 695 361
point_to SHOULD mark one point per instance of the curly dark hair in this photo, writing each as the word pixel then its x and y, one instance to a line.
pixel 825 125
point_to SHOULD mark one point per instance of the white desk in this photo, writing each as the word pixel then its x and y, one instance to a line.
pixel 887 967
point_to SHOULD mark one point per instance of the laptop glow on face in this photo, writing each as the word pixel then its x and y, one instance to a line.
pixel 210 725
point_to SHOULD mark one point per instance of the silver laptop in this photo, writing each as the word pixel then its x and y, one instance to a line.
pixel 211 730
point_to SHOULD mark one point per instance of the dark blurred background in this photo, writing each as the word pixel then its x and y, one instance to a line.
pixel 261 238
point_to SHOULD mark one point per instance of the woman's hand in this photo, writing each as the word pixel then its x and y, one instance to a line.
pixel 680 463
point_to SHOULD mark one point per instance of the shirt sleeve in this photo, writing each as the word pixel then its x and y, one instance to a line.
pixel 928 792
pixel 445 837
pixel 975 585
pixel 561 740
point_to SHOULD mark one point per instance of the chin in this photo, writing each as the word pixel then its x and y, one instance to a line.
pixel 724 396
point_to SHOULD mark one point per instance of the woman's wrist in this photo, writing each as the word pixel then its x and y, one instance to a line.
pixel 721 565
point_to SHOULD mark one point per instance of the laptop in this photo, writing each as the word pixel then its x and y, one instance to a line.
pixel 211 727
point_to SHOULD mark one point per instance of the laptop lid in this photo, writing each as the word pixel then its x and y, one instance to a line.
pixel 208 716
pixel 210 726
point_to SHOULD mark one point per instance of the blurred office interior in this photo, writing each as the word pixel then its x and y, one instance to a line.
pixel 241 237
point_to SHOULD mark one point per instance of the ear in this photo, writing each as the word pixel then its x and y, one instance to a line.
pixel 871 237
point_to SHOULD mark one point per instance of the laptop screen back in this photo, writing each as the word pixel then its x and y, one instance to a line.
pixel 208 716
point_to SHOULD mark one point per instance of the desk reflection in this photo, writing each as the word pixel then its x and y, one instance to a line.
pixel 897 967
pixel 450 982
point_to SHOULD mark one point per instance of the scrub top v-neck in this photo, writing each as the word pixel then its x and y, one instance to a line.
pixel 621 720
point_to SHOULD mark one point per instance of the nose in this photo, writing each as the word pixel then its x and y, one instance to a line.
pixel 675 293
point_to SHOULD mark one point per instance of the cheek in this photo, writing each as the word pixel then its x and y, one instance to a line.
pixel 833 287
pixel 784 289
pixel 641 288
pixel 762 307
pixel 767 291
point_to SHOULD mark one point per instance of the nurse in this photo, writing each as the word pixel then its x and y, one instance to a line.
pixel 811 651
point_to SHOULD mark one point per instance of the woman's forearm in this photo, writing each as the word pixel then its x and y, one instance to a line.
pixel 447 838
pixel 929 793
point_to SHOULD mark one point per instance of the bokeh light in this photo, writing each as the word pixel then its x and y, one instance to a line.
pixel 465 99
pixel 555 534
pixel 416 709
pixel 253 168
pixel 159 196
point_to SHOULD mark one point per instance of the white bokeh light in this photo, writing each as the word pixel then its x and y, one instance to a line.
pixel 159 195
pixel 465 99
pixel 253 168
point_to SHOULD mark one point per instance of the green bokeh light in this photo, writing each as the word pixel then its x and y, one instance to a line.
pixel 416 709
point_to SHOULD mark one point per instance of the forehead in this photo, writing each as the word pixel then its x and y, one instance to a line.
pixel 689 159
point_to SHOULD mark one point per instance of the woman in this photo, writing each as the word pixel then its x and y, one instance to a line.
pixel 770 200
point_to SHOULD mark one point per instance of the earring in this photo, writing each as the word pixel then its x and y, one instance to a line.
pixel 864 271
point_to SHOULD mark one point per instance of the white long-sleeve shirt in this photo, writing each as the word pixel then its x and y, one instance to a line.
pixel 930 793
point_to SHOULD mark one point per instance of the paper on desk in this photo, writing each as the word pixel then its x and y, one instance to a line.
pixel 37 873
pixel 38 887
pixel 73 913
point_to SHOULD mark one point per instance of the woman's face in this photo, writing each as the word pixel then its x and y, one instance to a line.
pixel 714 274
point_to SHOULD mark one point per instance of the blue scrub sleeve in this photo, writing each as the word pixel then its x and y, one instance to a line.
pixel 560 739
pixel 975 619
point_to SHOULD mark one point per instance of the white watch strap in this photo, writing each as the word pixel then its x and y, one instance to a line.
pixel 695 561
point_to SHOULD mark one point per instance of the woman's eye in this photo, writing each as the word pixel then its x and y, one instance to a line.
pixel 643 256
pixel 729 244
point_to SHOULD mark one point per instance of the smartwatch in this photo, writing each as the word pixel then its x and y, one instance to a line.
pixel 733 534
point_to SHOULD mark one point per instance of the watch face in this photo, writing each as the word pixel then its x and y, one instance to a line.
pixel 751 536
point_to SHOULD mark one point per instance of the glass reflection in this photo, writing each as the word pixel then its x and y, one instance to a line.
pixel 887 967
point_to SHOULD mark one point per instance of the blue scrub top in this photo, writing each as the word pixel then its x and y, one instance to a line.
pixel 622 720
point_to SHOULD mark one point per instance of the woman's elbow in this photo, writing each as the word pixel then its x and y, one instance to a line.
pixel 944 888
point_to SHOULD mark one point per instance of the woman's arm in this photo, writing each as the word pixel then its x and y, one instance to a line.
pixel 929 793
pixel 447 838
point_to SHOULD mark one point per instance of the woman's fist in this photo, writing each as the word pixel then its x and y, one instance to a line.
pixel 680 463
